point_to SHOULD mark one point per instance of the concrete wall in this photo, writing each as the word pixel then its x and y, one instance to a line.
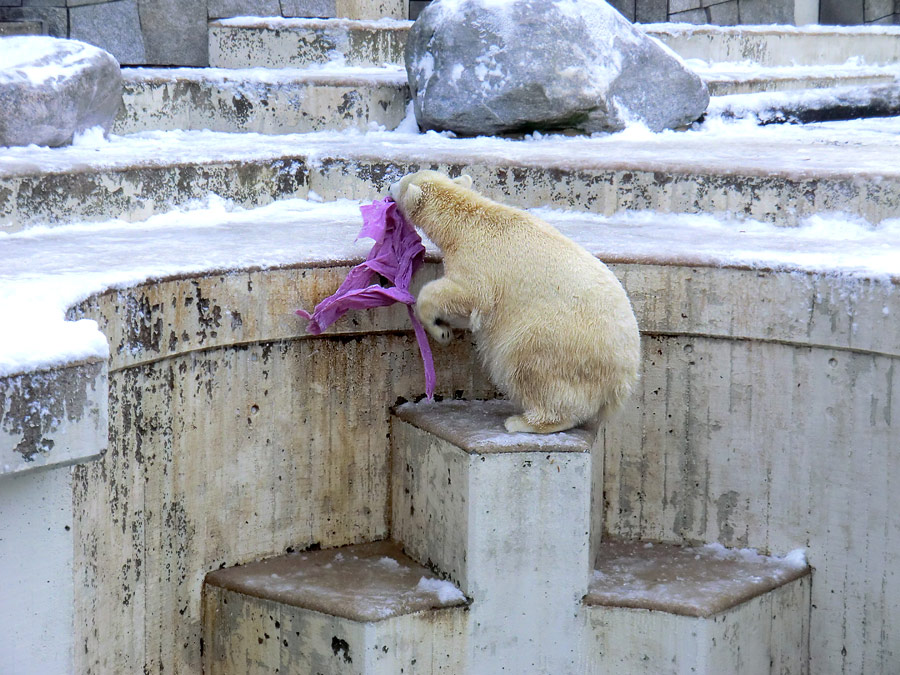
pixel 767 417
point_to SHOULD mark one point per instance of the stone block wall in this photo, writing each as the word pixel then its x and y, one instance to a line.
pixel 848 12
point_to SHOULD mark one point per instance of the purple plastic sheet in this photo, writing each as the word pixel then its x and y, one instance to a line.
pixel 397 254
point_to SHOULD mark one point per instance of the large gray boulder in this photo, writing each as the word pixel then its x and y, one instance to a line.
pixel 494 66
pixel 51 89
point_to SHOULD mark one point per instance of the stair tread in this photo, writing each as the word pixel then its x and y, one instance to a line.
pixel 477 428
pixel 364 582
pixel 691 581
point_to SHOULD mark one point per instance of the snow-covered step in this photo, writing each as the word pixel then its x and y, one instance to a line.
pixel 830 103
pixel 657 609
pixel 777 174
pixel 782 45
pixel 725 79
pixel 247 42
pixel 506 517
pixel 366 609
pixel 262 100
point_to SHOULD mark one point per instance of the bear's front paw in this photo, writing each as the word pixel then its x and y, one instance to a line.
pixel 440 331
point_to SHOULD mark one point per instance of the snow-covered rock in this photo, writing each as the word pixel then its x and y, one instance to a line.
pixel 51 89
pixel 490 66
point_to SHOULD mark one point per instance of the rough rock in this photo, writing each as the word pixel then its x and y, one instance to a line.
pixel 51 89
pixel 493 66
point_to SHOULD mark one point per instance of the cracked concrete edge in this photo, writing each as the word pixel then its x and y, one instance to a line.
pixel 53 417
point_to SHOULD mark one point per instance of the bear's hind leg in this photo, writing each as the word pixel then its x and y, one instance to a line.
pixel 530 423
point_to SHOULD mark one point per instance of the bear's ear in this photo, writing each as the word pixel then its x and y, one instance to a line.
pixel 465 181
pixel 412 196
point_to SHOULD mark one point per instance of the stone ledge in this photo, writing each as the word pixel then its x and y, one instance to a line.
pixel 53 417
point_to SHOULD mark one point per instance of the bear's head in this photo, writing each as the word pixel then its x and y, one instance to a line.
pixel 409 191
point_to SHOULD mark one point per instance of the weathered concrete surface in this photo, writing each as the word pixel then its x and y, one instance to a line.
pixel 781 45
pixel 372 9
pixel 274 43
pixel 510 528
pixel 297 103
pixel 776 180
pixel 138 191
pixel 768 634
pixel 768 195
pixel 54 417
pixel 36 544
pixel 250 428
pixel 763 444
pixel 357 609
pixel 83 90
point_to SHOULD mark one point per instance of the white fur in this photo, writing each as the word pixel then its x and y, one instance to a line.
pixel 553 325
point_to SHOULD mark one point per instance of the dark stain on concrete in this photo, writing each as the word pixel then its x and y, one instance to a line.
pixel 33 405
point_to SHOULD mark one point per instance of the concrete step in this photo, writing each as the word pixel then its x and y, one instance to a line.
pixel 504 516
pixel 660 609
pixel 294 43
pixel 725 79
pixel 263 101
pixel 770 174
pixel 361 609
pixel 782 45
pixel 277 43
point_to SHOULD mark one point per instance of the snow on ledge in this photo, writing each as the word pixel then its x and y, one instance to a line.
pixel 50 269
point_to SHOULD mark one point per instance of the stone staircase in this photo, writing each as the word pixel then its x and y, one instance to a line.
pixel 265 506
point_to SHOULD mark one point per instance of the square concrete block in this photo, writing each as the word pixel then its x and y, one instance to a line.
pixel 657 609
pixel 357 610
pixel 506 517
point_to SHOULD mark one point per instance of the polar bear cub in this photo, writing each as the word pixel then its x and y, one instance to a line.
pixel 553 326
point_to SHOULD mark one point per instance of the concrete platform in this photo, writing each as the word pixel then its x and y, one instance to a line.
pixel 269 102
pixel 505 517
pixel 656 609
pixel 358 609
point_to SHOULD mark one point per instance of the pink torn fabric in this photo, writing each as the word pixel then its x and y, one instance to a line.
pixel 397 254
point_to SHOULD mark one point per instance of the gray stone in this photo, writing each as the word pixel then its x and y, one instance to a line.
pixel 724 13
pixel 651 11
pixel 223 9
pixel 55 89
pixel 696 16
pixel 113 26
pixel 175 32
pixel 839 12
pixel 878 9
pixel 20 28
pixel 53 20
pixel 766 12
pixel 484 68
pixel 319 9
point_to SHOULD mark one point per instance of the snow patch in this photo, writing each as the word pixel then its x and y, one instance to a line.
pixel 445 591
